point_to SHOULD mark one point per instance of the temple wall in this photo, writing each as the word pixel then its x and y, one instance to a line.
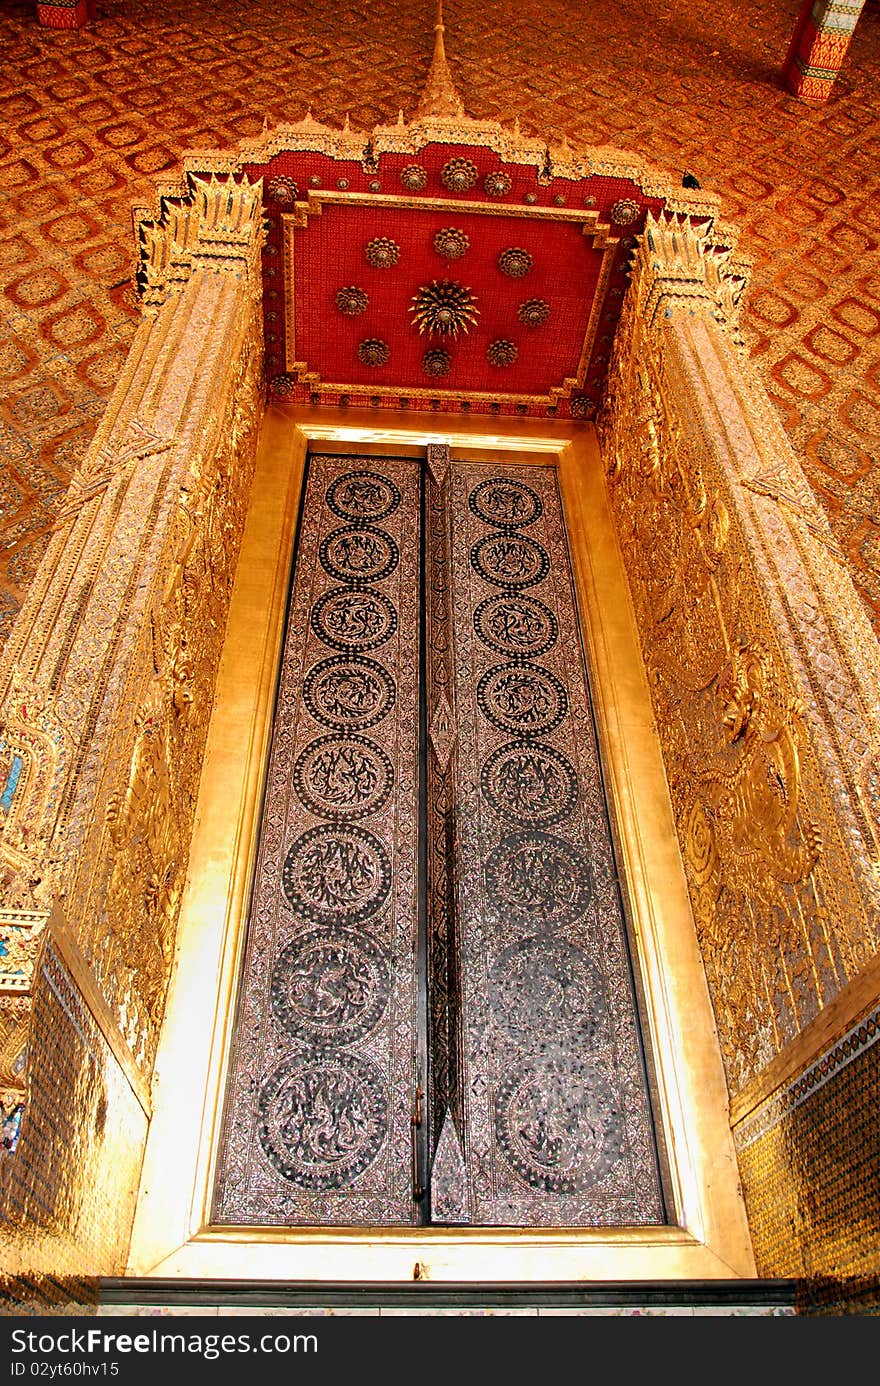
pixel 764 675
pixel 107 685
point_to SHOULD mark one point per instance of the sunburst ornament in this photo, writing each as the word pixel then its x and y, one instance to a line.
pixel 444 308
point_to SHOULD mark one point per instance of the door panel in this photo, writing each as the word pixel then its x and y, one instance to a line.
pixel 556 1127
pixel 318 1125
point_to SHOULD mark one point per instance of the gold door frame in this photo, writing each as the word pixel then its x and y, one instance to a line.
pixel 708 1235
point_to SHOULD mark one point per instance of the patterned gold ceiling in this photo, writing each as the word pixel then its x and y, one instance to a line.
pixel 90 120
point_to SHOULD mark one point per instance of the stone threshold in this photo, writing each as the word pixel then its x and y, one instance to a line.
pixel 721 1295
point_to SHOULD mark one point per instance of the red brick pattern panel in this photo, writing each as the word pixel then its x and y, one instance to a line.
pixel 89 118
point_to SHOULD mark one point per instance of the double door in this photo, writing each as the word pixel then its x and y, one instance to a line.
pixel 436 1020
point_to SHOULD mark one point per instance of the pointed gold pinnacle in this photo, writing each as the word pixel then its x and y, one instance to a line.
pixel 439 98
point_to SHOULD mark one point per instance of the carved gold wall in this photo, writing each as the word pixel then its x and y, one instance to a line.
pixel 107 688
pixel 764 675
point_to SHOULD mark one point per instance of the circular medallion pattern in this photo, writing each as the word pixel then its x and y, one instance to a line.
pixel 579 406
pixel 543 988
pixel 522 699
pixel 497 184
pixel 323 1118
pixel 458 174
pixel 336 873
pixel 510 560
pixel 414 177
pixel 373 352
pixel 515 262
pixel 533 312
pixel 330 986
pixel 351 300
pixel 348 693
pixel 343 776
pixel 516 625
pixel 451 243
pixel 535 878
pixel 283 189
pixel 353 620
pixel 444 308
pixel 503 501
pixel 362 495
pixel 530 783
pixel 560 1126
pixel 436 362
pixel 381 252
pixel 358 553
pixel 625 211
pixel 502 353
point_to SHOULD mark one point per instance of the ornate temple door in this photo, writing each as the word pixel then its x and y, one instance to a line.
pixel 437 1018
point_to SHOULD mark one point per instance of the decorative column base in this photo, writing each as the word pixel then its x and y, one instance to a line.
pixel 58 15
pixel 818 47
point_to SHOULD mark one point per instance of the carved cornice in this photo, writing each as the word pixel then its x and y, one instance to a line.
pixel 510 144
pixel 213 223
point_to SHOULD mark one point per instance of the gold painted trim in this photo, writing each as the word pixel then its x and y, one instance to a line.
pixel 172 1231
pixel 592 226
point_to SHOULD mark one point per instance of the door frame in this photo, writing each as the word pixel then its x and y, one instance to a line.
pixel 172 1236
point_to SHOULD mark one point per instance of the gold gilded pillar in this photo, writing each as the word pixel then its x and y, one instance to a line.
pixel 763 668
pixel 107 680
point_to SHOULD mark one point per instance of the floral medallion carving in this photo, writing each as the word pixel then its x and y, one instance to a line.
pixel 625 211
pixel 515 262
pixel 283 189
pixel 501 353
pixel 458 175
pixel 451 243
pixel 373 352
pixel 437 362
pixel 533 312
pixel 414 178
pixel 382 252
pixel 497 184
pixel 351 300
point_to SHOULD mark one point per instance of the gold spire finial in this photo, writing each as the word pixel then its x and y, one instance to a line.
pixel 439 98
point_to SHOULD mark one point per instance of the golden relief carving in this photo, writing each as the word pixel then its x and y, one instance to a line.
pixel 22 940
pixel 32 763
pixel 779 920
pixel 105 463
pixel 148 819
pixel 129 612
